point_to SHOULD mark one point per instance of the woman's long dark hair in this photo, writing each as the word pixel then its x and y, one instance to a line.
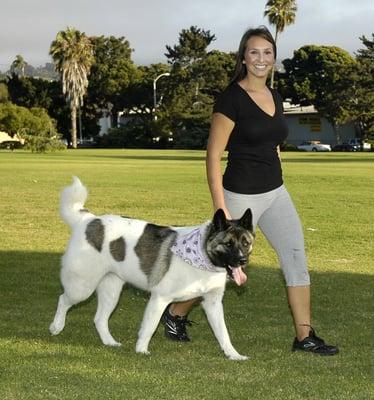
pixel 240 68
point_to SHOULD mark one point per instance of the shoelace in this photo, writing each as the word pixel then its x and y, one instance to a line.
pixel 182 322
pixel 319 342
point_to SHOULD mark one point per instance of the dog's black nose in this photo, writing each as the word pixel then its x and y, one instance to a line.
pixel 243 261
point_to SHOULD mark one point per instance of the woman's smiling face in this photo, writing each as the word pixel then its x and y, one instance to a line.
pixel 259 56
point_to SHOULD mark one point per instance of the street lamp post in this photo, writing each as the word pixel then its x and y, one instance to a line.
pixel 154 92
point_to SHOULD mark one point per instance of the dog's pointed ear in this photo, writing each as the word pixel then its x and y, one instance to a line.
pixel 219 220
pixel 246 221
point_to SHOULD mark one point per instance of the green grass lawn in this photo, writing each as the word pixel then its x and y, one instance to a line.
pixel 334 195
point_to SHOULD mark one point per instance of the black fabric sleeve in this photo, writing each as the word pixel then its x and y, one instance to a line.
pixel 225 104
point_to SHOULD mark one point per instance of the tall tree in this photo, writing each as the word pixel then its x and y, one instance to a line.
pixel 111 75
pixel 361 92
pixel 18 65
pixel 192 46
pixel 73 57
pixel 197 75
pixel 368 53
pixel 280 13
pixel 139 94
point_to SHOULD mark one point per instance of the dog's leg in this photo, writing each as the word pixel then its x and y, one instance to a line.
pixel 213 307
pixel 58 323
pixel 151 318
pixel 108 293
pixel 76 291
pixel 65 302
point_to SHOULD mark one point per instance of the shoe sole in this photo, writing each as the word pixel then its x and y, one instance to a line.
pixel 314 352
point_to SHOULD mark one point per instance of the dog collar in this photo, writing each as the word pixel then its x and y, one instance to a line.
pixel 190 248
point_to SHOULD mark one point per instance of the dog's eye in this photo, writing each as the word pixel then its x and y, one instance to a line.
pixel 228 244
pixel 245 243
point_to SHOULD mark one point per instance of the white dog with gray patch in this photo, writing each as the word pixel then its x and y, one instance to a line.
pixel 173 264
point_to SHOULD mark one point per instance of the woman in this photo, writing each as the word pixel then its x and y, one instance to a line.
pixel 248 120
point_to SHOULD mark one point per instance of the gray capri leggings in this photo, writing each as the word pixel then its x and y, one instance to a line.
pixel 278 220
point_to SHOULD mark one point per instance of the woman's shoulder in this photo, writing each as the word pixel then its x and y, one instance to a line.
pixel 227 101
pixel 232 87
pixel 230 91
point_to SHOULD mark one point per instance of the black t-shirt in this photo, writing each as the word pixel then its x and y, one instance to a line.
pixel 253 164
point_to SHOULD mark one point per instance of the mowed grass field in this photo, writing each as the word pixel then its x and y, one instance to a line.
pixel 334 194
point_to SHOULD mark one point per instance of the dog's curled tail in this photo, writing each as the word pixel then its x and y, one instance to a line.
pixel 72 202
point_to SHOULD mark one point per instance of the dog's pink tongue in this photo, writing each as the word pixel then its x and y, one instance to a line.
pixel 239 276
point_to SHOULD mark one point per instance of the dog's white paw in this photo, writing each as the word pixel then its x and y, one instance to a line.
pixel 145 352
pixel 237 357
pixel 142 349
pixel 112 343
pixel 54 329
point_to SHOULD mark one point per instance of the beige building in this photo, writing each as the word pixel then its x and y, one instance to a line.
pixel 306 124
pixel 4 137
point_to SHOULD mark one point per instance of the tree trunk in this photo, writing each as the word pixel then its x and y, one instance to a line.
pixel 273 69
pixel 272 77
pixel 73 115
pixel 114 116
pixel 335 127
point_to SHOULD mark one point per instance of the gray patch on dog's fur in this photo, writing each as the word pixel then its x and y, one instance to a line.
pixel 95 234
pixel 118 249
pixel 153 250
pixel 83 210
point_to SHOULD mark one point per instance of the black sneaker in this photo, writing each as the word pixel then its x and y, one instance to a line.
pixel 175 326
pixel 314 344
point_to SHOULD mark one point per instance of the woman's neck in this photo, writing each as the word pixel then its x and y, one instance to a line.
pixel 253 85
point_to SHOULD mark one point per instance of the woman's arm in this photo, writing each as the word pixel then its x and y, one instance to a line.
pixel 220 130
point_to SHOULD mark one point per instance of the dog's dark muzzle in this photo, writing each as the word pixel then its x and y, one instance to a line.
pixel 243 261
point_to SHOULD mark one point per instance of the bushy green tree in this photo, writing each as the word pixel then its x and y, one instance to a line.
pixel 138 133
pixel 33 92
pixel 192 46
pixel 33 125
pixel 197 75
pixel 361 91
pixel 319 75
pixel 215 71
pixel 111 75
pixel 4 93
pixel 139 93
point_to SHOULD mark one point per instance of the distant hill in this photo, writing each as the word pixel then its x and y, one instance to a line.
pixel 44 72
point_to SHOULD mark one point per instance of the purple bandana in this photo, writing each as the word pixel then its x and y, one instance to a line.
pixel 189 247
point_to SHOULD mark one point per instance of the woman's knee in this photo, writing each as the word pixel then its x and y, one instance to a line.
pixel 294 267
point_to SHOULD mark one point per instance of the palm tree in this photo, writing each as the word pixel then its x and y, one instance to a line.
pixel 280 13
pixel 72 54
pixel 18 64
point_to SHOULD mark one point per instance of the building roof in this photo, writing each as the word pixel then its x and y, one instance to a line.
pixel 290 108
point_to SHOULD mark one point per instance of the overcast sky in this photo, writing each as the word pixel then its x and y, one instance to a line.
pixel 28 27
